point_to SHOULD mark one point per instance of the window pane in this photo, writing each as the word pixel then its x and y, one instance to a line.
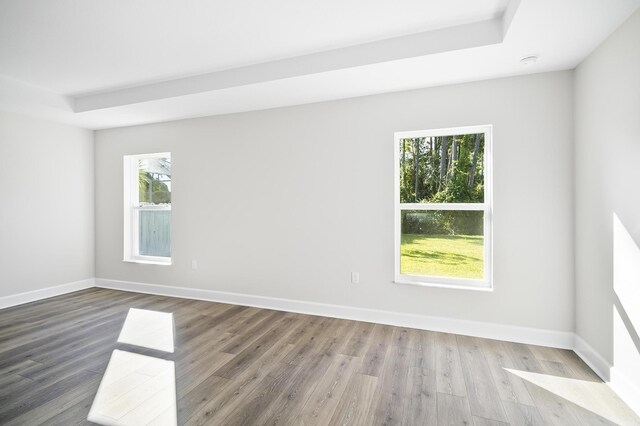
pixel 442 243
pixel 442 169
pixel 154 181
pixel 155 233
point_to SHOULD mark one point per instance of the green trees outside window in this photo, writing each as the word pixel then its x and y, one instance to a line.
pixel 442 205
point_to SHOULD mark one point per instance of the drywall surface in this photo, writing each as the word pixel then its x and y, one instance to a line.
pixel 47 207
pixel 287 202
pixel 607 167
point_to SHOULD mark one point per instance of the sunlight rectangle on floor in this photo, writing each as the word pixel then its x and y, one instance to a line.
pixel 149 329
pixel 136 389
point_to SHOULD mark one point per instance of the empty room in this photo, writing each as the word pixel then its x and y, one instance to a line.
pixel 413 212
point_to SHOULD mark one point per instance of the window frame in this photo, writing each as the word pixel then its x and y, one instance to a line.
pixel 484 284
pixel 132 207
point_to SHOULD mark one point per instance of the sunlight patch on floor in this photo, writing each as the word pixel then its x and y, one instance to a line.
pixel 596 397
pixel 149 329
pixel 136 390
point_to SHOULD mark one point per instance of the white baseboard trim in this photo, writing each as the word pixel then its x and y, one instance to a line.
pixel 592 358
pixel 625 389
pixel 44 293
pixel 534 336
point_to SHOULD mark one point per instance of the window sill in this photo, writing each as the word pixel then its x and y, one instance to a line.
pixel 149 262
pixel 484 287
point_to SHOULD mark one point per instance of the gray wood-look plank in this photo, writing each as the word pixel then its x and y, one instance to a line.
pixel 450 379
pixel 521 414
pixel 481 389
pixel 420 406
pixel 238 365
pixel 481 421
pixel 355 404
pixel 510 387
pixel 453 410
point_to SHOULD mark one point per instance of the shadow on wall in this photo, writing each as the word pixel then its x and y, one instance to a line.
pixel 626 303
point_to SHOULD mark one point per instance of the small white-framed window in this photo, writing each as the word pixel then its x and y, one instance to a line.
pixel 443 207
pixel 147 208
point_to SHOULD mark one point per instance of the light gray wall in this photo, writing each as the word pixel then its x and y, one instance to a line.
pixel 286 202
pixel 607 131
pixel 47 207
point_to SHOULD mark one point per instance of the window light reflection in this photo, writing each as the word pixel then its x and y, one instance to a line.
pixel 149 329
pixel 136 390
pixel 594 396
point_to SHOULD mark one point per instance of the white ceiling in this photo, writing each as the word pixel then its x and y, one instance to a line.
pixel 98 64
pixel 77 46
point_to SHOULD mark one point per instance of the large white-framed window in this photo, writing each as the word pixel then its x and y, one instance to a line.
pixel 443 207
pixel 147 208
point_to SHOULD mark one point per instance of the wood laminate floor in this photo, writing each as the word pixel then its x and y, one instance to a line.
pixel 239 365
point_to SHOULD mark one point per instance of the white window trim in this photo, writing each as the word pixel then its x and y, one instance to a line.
pixel 484 284
pixel 131 209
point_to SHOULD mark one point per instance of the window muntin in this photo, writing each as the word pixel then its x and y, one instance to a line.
pixel 147 215
pixel 443 207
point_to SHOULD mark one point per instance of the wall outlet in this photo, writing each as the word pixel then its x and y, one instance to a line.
pixel 194 264
pixel 355 277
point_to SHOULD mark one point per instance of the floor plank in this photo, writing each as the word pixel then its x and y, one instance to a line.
pixel 521 414
pixel 450 379
pixel 510 387
pixel 420 407
pixel 323 400
pixel 481 389
pixel 245 365
pixel 453 410
pixel 354 406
